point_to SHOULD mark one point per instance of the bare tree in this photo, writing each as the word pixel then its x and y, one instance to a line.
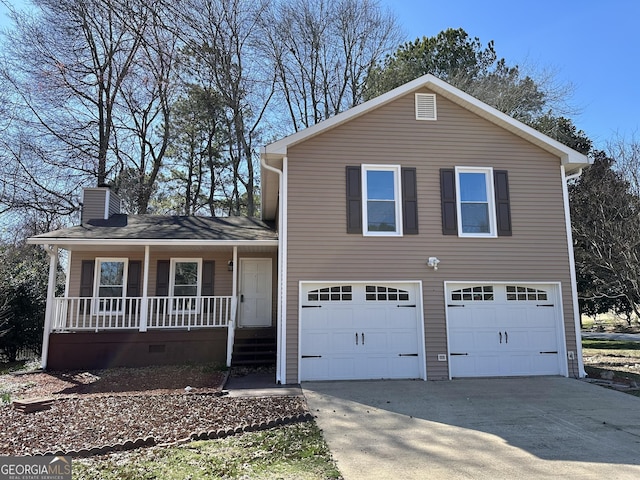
pixel 627 155
pixel 323 51
pixel 146 100
pixel 223 35
pixel 67 65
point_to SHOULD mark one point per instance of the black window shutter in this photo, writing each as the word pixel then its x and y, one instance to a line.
pixel 162 279
pixel 354 200
pixel 503 207
pixel 448 200
pixel 409 202
pixel 133 278
pixel 86 278
pixel 208 269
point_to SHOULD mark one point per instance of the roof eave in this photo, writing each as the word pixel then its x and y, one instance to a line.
pixel 40 240
pixel 571 159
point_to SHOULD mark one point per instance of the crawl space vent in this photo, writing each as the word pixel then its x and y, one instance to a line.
pixel 426 106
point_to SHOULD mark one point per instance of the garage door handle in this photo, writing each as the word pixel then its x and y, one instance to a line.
pixel 455 306
pixel 458 354
pixel 544 305
pixel 407 354
pixel 311 306
pixel 363 338
pixel 506 337
pixel 356 339
pixel 311 356
pixel 549 352
pixel 500 333
pixel 406 306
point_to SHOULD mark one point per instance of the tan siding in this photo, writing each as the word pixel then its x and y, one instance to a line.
pixel 93 204
pixel 320 249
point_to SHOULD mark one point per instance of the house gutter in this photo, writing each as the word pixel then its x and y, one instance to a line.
pixel 281 314
pixel 572 269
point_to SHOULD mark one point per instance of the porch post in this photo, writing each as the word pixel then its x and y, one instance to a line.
pixel 52 250
pixel 144 308
pixel 231 326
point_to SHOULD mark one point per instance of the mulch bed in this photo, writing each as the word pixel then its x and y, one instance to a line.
pixel 119 409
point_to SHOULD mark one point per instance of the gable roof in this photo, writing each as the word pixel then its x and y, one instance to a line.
pixel 121 229
pixel 273 153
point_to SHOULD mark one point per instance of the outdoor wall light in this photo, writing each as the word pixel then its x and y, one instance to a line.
pixel 433 263
pixel 230 265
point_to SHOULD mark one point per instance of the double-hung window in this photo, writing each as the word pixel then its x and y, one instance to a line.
pixel 475 202
pixel 381 206
pixel 185 282
pixel 111 280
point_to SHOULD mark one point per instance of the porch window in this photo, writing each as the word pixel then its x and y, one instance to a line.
pixel 185 282
pixel 111 281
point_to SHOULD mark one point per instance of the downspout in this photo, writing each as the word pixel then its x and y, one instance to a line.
pixel 572 269
pixel 52 250
pixel 281 328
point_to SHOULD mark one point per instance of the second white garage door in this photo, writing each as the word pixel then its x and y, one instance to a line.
pixel 504 330
pixel 361 330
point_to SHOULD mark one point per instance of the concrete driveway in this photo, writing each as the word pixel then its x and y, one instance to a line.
pixel 538 427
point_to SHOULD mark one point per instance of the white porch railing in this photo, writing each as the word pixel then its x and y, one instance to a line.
pixel 116 313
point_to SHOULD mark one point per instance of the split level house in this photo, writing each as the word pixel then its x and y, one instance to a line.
pixel 422 234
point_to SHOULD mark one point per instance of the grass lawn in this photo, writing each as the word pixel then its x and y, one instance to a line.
pixel 290 452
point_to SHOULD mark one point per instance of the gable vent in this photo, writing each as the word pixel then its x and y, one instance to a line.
pixel 426 106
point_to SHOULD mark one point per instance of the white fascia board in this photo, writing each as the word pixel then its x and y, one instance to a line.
pixel 571 159
pixel 151 242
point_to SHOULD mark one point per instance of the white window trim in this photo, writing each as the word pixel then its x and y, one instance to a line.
pixel 493 228
pixel 172 280
pixel 398 200
pixel 96 283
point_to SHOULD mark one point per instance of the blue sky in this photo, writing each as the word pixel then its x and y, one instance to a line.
pixel 592 44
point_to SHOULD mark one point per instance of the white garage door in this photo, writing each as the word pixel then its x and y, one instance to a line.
pixel 360 331
pixel 504 330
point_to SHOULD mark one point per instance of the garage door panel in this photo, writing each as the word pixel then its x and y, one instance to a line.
pixel 316 368
pixel 541 317
pixel 341 368
pixel 315 342
pixel 504 333
pixel 403 342
pixel 543 341
pixel 341 342
pixel 546 363
pixel 403 317
pixel 361 330
pixel 375 342
pixel 399 366
pixel 371 317
pixel 461 341
pixel 515 339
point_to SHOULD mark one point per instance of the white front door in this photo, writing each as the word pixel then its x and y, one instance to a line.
pixel 254 307
pixel 504 330
pixel 360 330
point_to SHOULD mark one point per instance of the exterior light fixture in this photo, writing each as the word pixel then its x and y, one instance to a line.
pixel 433 262
pixel 230 265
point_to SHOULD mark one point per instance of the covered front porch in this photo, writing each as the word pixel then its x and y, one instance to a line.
pixel 176 297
